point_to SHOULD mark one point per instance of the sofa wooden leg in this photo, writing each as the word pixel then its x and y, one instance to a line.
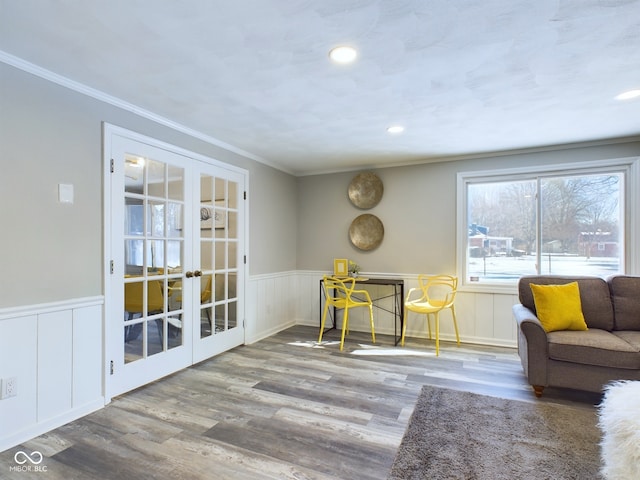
pixel 537 389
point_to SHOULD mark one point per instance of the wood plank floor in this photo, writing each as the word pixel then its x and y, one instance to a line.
pixel 282 408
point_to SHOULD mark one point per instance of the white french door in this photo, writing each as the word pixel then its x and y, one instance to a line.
pixel 218 251
pixel 176 270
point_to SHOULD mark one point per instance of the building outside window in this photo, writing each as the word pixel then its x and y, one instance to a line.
pixel 560 221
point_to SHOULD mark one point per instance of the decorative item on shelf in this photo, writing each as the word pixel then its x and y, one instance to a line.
pixel 365 190
pixel 340 267
pixel 354 269
pixel 366 232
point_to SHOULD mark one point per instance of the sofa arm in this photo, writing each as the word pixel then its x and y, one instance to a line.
pixel 533 346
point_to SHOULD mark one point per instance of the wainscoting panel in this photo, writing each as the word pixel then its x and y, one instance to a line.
pixel 55 372
pixel 55 353
pixel 18 359
pixel 271 304
pixel 87 356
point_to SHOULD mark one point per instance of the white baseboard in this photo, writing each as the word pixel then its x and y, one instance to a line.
pixel 16 438
pixel 267 333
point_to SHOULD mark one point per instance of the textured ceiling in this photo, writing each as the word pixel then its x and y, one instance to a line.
pixel 464 77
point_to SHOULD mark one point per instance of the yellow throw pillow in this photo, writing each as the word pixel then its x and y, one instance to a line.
pixel 558 306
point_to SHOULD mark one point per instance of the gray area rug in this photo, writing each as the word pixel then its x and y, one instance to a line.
pixel 462 435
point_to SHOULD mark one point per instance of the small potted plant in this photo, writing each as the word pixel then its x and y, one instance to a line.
pixel 354 269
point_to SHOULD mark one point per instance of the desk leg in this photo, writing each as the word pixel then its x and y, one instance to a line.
pixel 398 311
pixel 395 313
pixel 401 309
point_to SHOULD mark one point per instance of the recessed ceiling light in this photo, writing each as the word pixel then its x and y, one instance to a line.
pixel 343 54
pixel 628 95
pixel 395 129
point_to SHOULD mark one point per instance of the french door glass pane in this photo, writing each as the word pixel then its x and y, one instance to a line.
pixel 175 183
pixel 233 320
pixel 156 176
pixel 206 255
pixel 220 321
pixel 232 220
pixel 133 349
pixel 220 252
pixel 232 256
pixel 233 195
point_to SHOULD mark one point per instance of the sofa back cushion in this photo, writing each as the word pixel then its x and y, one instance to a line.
pixel 625 295
pixel 594 297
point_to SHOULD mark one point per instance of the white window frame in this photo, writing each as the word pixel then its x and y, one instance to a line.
pixel 630 205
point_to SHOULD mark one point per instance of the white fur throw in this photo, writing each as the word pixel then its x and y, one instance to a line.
pixel 619 420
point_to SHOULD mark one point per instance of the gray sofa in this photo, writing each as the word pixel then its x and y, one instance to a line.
pixel 583 360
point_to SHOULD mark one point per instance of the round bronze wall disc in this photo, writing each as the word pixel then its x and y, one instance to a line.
pixel 365 190
pixel 366 232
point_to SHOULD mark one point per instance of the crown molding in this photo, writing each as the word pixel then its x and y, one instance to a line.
pixel 53 77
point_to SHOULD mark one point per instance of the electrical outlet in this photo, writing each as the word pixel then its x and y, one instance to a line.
pixel 8 387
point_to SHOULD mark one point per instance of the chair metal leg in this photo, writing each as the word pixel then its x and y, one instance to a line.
pixel 437 314
pixel 373 332
pixel 345 322
pixel 404 327
pixel 324 317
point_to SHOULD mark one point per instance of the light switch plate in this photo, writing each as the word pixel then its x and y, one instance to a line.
pixel 65 193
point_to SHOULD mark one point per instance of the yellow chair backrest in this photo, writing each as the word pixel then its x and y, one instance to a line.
pixel 133 295
pixel 438 290
pixel 337 290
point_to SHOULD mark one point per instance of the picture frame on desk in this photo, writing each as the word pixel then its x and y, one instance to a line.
pixel 340 267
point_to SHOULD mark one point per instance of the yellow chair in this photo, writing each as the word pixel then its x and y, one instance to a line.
pixel 133 304
pixel 437 293
pixel 339 293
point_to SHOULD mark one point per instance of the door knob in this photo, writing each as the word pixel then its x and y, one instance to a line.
pixel 197 273
pixel 189 274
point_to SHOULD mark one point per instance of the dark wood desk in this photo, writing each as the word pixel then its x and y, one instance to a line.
pixel 397 284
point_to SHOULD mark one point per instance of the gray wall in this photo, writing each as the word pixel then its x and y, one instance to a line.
pixel 418 210
pixel 49 135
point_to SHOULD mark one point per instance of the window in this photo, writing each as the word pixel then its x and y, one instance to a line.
pixel 555 221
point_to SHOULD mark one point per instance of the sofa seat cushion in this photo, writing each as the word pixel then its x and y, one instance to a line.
pixel 625 294
pixel 593 347
pixel 632 337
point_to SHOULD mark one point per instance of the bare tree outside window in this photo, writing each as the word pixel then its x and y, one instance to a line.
pixel 578 231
